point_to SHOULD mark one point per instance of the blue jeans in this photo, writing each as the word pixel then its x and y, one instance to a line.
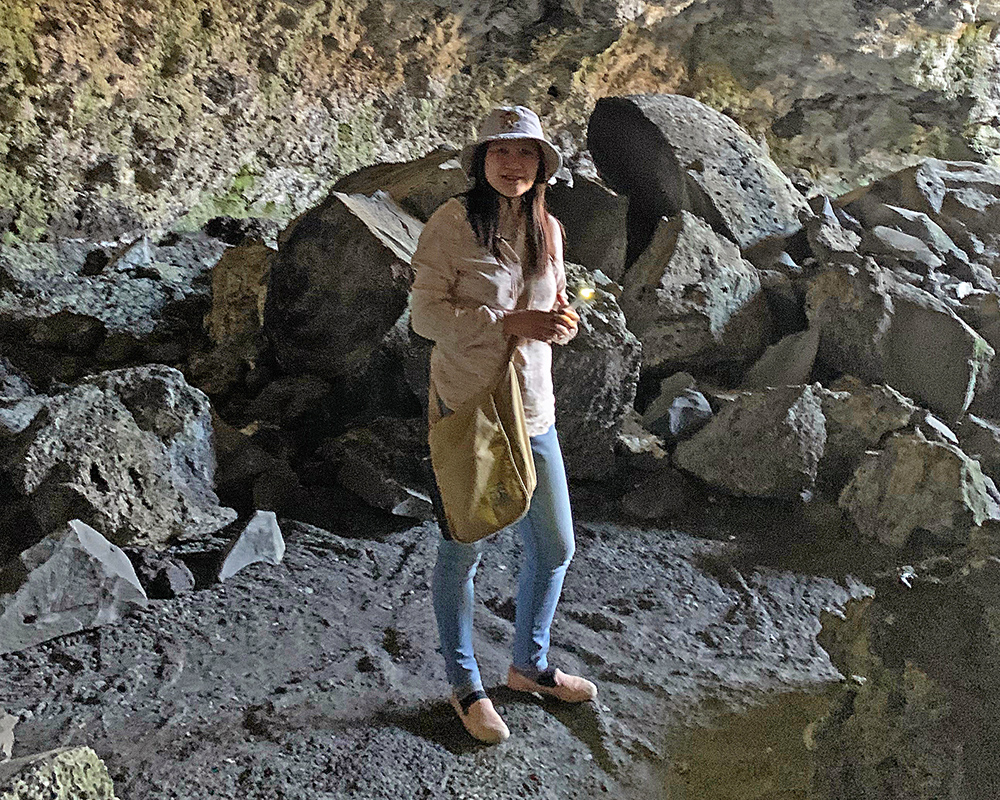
pixel 547 534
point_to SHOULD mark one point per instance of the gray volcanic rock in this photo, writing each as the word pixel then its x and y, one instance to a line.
pixel 7 724
pixel 980 439
pixel 692 300
pixel 260 540
pixel 670 153
pixel 595 378
pixel 71 773
pixel 596 220
pixel 70 581
pixel 788 362
pixel 879 329
pixel 913 484
pixel 339 284
pixel 60 318
pixel 762 444
pixel 418 187
pixel 128 451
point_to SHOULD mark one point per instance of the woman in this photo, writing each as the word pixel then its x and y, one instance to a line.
pixel 488 268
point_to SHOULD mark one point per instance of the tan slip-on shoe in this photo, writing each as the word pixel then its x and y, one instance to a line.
pixel 480 719
pixel 554 683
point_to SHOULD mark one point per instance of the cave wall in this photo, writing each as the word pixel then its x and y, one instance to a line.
pixel 117 115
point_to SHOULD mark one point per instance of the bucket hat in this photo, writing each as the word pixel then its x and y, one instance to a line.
pixel 513 122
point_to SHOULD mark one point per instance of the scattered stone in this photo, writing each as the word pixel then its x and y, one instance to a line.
pixel 259 541
pixel 692 300
pixel 72 580
pixel 73 773
pixel 595 377
pixel 912 485
pixel 339 283
pixel 595 219
pixel 789 362
pixel 671 153
pixel 763 444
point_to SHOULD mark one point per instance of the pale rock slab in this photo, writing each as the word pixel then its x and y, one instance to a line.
pixel 788 362
pixel 7 724
pixel 913 484
pixel 761 444
pixel 260 540
pixel 73 580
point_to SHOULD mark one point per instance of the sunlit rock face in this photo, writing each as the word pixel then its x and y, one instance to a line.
pixel 122 115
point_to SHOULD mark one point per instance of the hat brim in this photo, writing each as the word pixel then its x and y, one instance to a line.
pixel 550 156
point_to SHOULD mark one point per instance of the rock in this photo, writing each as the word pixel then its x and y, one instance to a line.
pixel 72 580
pixel 7 724
pixel 383 465
pixel 788 362
pixel 858 418
pixel 595 219
pixel 239 290
pixel 829 240
pixel 260 540
pixel 912 485
pixel 244 231
pixel 980 439
pixel 638 450
pixel 910 250
pixel 595 378
pixel 671 153
pixel 876 328
pixel 663 494
pixel 762 444
pixel 161 577
pixel 13 385
pixel 72 773
pixel 146 304
pixel 689 411
pixel 692 300
pixel 418 187
pixel 784 301
pixel 339 283
pixel 127 451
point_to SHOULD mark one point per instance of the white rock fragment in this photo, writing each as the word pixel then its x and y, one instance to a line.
pixel 260 540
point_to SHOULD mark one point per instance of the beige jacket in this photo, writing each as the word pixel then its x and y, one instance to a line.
pixel 460 296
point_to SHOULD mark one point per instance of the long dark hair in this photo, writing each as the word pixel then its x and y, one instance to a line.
pixel 482 205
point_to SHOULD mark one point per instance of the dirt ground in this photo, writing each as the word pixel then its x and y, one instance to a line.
pixel 318 678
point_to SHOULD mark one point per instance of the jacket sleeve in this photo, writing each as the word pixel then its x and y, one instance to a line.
pixel 562 299
pixel 434 312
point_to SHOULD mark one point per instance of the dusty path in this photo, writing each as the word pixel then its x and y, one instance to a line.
pixel 319 679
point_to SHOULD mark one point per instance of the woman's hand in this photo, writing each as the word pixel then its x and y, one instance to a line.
pixel 546 326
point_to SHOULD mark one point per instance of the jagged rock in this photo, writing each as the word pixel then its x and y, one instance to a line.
pixel 418 187
pixel 656 418
pixel 980 439
pixel 874 327
pixel 7 724
pixel 638 450
pixel 146 304
pixel 912 485
pixel 788 362
pixel 595 377
pixel 960 197
pixel 72 773
pixel 239 289
pixel 762 444
pixel 689 411
pixel 662 494
pixel 382 464
pixel 595 219
pixel 828 239
pixel 784 301
pixel 858 417
pixel 13 385
pixel 671 153
pixel 339 284
pixel 161 576
pixel 692 300
pixel 72 580
pixel 127 451
pixel 913 252
pixel 260 540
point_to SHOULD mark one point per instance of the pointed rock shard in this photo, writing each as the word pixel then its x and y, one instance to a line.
pixel 70 581
pixel 260 540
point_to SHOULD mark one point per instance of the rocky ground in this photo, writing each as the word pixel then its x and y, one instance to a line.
pixel 318 677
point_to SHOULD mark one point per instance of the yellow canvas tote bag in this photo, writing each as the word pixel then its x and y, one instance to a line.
pixel 481 455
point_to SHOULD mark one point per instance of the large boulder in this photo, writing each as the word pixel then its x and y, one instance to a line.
pixel 338 285
pixel 595 377
pixel 692 300
pixel 761 444
pixel 671 153
pixel 595 219
pixel 879 329
pixel 72 580
pixel 70 308
pixel 127 451
pixel 72 773
pixel 916 485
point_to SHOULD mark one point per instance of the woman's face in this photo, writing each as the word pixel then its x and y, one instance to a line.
pixel 512 165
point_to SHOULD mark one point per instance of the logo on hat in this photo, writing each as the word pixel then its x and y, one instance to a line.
pixel 510 119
